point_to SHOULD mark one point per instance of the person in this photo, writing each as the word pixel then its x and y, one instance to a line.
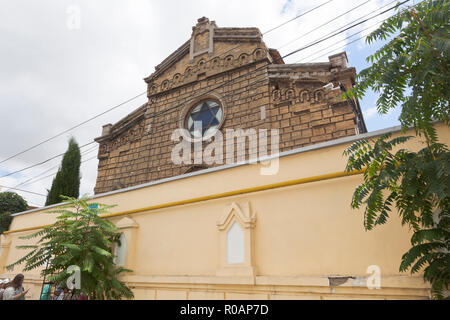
pixel 58 292
pixel 62 295
pixel 3 284
pixel 45 295
pixel 15 290
pixel 82 297
pixel 68 294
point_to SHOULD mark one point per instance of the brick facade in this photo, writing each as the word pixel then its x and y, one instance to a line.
pixel 255 89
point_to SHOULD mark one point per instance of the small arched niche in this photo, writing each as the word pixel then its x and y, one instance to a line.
pixel 124 254
pixel 235 244
pixel 235 252
pixel 120 251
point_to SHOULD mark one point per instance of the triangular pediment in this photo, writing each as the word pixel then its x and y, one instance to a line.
pixel 210 50
pixel 126 222
pixel 241 213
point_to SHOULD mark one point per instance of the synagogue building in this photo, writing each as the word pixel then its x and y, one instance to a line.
pixel 230 182
pixel 227 78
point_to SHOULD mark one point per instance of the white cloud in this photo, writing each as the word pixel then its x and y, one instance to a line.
pixel 52 77
pixel 369 113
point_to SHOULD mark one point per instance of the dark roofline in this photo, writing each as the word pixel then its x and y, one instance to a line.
pixel 220 34
pixel 276 56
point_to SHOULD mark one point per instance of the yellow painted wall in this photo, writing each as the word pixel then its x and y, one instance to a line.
pixel 303 234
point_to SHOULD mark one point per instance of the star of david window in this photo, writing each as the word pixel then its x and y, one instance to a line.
pixel 208 115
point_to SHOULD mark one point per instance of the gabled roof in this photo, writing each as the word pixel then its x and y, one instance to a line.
pixel 218 34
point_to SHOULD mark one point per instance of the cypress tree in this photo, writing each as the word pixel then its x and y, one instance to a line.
pixel 67 179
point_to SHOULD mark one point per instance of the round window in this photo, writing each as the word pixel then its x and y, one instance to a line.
pixel 204 119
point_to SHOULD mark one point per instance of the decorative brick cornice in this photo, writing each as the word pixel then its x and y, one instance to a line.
pixel 214 66
pixel 252 35
pixel 124 124
pixel 171 59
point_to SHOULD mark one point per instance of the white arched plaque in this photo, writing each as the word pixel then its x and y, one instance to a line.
pixel 235 244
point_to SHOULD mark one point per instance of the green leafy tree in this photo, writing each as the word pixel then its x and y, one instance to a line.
pixel 10 202
pixel 82 238
pixel 411 71
pixel 5 221
pixel 67 179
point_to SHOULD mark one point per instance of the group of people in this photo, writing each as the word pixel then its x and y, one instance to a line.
pixel 59 294
pixel 13 290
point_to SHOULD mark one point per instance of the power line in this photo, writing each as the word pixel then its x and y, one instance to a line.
pixel 324 38
pixel 39 194
pixel 343 40
pixel 72 128
pixel 301 15
pixel 331 51
pixel 295 51
pixel 315 56
pixel 368 14
pixel 235 79
pixel 311 44
pixel 324 24
pixel 52 174
pixel 42 178
pixel 240 76
pixel 54 167
pixel 343 30
pixel 42 162
pixel 116 106
pixel 125 102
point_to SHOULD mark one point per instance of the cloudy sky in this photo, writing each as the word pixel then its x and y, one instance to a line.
pixel 62 62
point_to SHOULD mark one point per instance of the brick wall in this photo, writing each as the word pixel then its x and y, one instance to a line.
pixel 254 92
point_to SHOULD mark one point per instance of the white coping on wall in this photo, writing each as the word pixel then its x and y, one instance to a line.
pixel 233 165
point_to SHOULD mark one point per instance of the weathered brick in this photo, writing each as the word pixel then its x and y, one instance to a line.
pixel 321 138
pixel 318 131
pixel 316 115
pixel 337 118
pixel 138 148
pixel 307 133
pixel 349 116
pixel 320 122
pixel 285 123
pixel 327 113
pixel 347 124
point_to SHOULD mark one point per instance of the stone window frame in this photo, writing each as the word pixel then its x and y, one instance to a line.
pixel 192 104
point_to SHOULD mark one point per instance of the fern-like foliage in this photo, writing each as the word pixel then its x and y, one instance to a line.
pixel 82 238
pixel 417 184
pixel 411 71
